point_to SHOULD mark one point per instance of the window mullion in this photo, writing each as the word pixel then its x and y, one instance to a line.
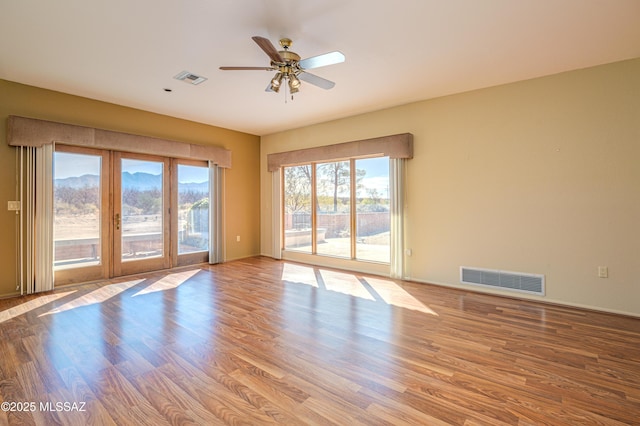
pixel 314 207
pixel 352 185
pixel 283 211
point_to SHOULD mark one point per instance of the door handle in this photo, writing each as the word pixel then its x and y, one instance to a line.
pixel 117 221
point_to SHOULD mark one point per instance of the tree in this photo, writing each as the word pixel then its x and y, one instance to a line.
pixel 373 195
pixel 332 179
pixel 297 189
pixel 82 200
pixel 148 201
pixel 336 178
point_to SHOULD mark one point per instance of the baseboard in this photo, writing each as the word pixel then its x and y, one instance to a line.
pixel 545 301
pixel 242 257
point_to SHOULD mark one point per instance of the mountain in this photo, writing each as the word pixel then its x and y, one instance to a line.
pixel 78 181
pixel 140 181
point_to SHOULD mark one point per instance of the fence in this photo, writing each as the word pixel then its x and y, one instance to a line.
pixel 87 249
pixel 337 225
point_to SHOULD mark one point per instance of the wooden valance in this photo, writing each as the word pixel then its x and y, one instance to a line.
pixel 394 146
pixel 22 131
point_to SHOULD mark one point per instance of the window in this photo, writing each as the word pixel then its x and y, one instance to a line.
pixel 114 212
pixel 77 205
pixel 141 218
pixel 375 232
pixel 193 209
pixel 148 213
pixel 338 209
pixel 333 209
pixel 372 210
pixel 297 208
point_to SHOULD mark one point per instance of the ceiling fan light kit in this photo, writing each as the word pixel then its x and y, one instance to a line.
pixel 290 67
pixel 276 81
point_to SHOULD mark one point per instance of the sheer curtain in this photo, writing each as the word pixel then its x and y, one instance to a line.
pixel 216 237
pixel 396 183
pixel 36 246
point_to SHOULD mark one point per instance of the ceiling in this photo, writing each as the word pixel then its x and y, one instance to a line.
pixel 127 52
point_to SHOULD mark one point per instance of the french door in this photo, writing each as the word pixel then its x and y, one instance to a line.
pixel 120 213
pixel 81 231
pixel 141 213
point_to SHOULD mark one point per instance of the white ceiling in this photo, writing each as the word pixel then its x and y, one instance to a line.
pixel 397 51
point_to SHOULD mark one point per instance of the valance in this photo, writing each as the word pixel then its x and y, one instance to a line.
pixel 393 146
pixel 22 131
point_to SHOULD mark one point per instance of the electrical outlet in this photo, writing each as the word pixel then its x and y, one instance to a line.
pixel 603 272
pixel 13 206
pixel 237 238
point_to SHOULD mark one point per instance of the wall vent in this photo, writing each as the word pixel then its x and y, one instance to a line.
pixel 515 281
pixel 191 78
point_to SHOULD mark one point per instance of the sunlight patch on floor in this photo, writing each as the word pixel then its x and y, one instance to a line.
pixel 299 274
pixel 354 285
pixel 345 283
pixel 170 281
pixel 395 295
pixel 96 296
pixel 25 307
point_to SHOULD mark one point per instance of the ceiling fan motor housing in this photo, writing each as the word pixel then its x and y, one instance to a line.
pixel 289 56
pixel 290 64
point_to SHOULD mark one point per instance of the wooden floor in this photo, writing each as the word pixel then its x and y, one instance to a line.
pixel 260 341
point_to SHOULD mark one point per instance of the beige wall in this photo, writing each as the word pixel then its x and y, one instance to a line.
pixel 241 194
pixel 540 176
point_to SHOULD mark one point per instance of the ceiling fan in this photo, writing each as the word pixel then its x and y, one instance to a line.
pixel 289 68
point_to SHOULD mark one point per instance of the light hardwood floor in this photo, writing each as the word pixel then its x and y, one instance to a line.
pixel 260 341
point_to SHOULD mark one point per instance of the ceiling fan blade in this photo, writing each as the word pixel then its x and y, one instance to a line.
pixel 268 48
pixel 323 83
pixel 322 60
pixel 247 68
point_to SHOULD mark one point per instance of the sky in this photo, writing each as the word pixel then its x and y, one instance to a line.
pixel 377 174
pixel 375 167
pixel 68 165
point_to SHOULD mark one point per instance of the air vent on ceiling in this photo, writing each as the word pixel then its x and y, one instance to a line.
pixel 516 281
pixel 191 78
